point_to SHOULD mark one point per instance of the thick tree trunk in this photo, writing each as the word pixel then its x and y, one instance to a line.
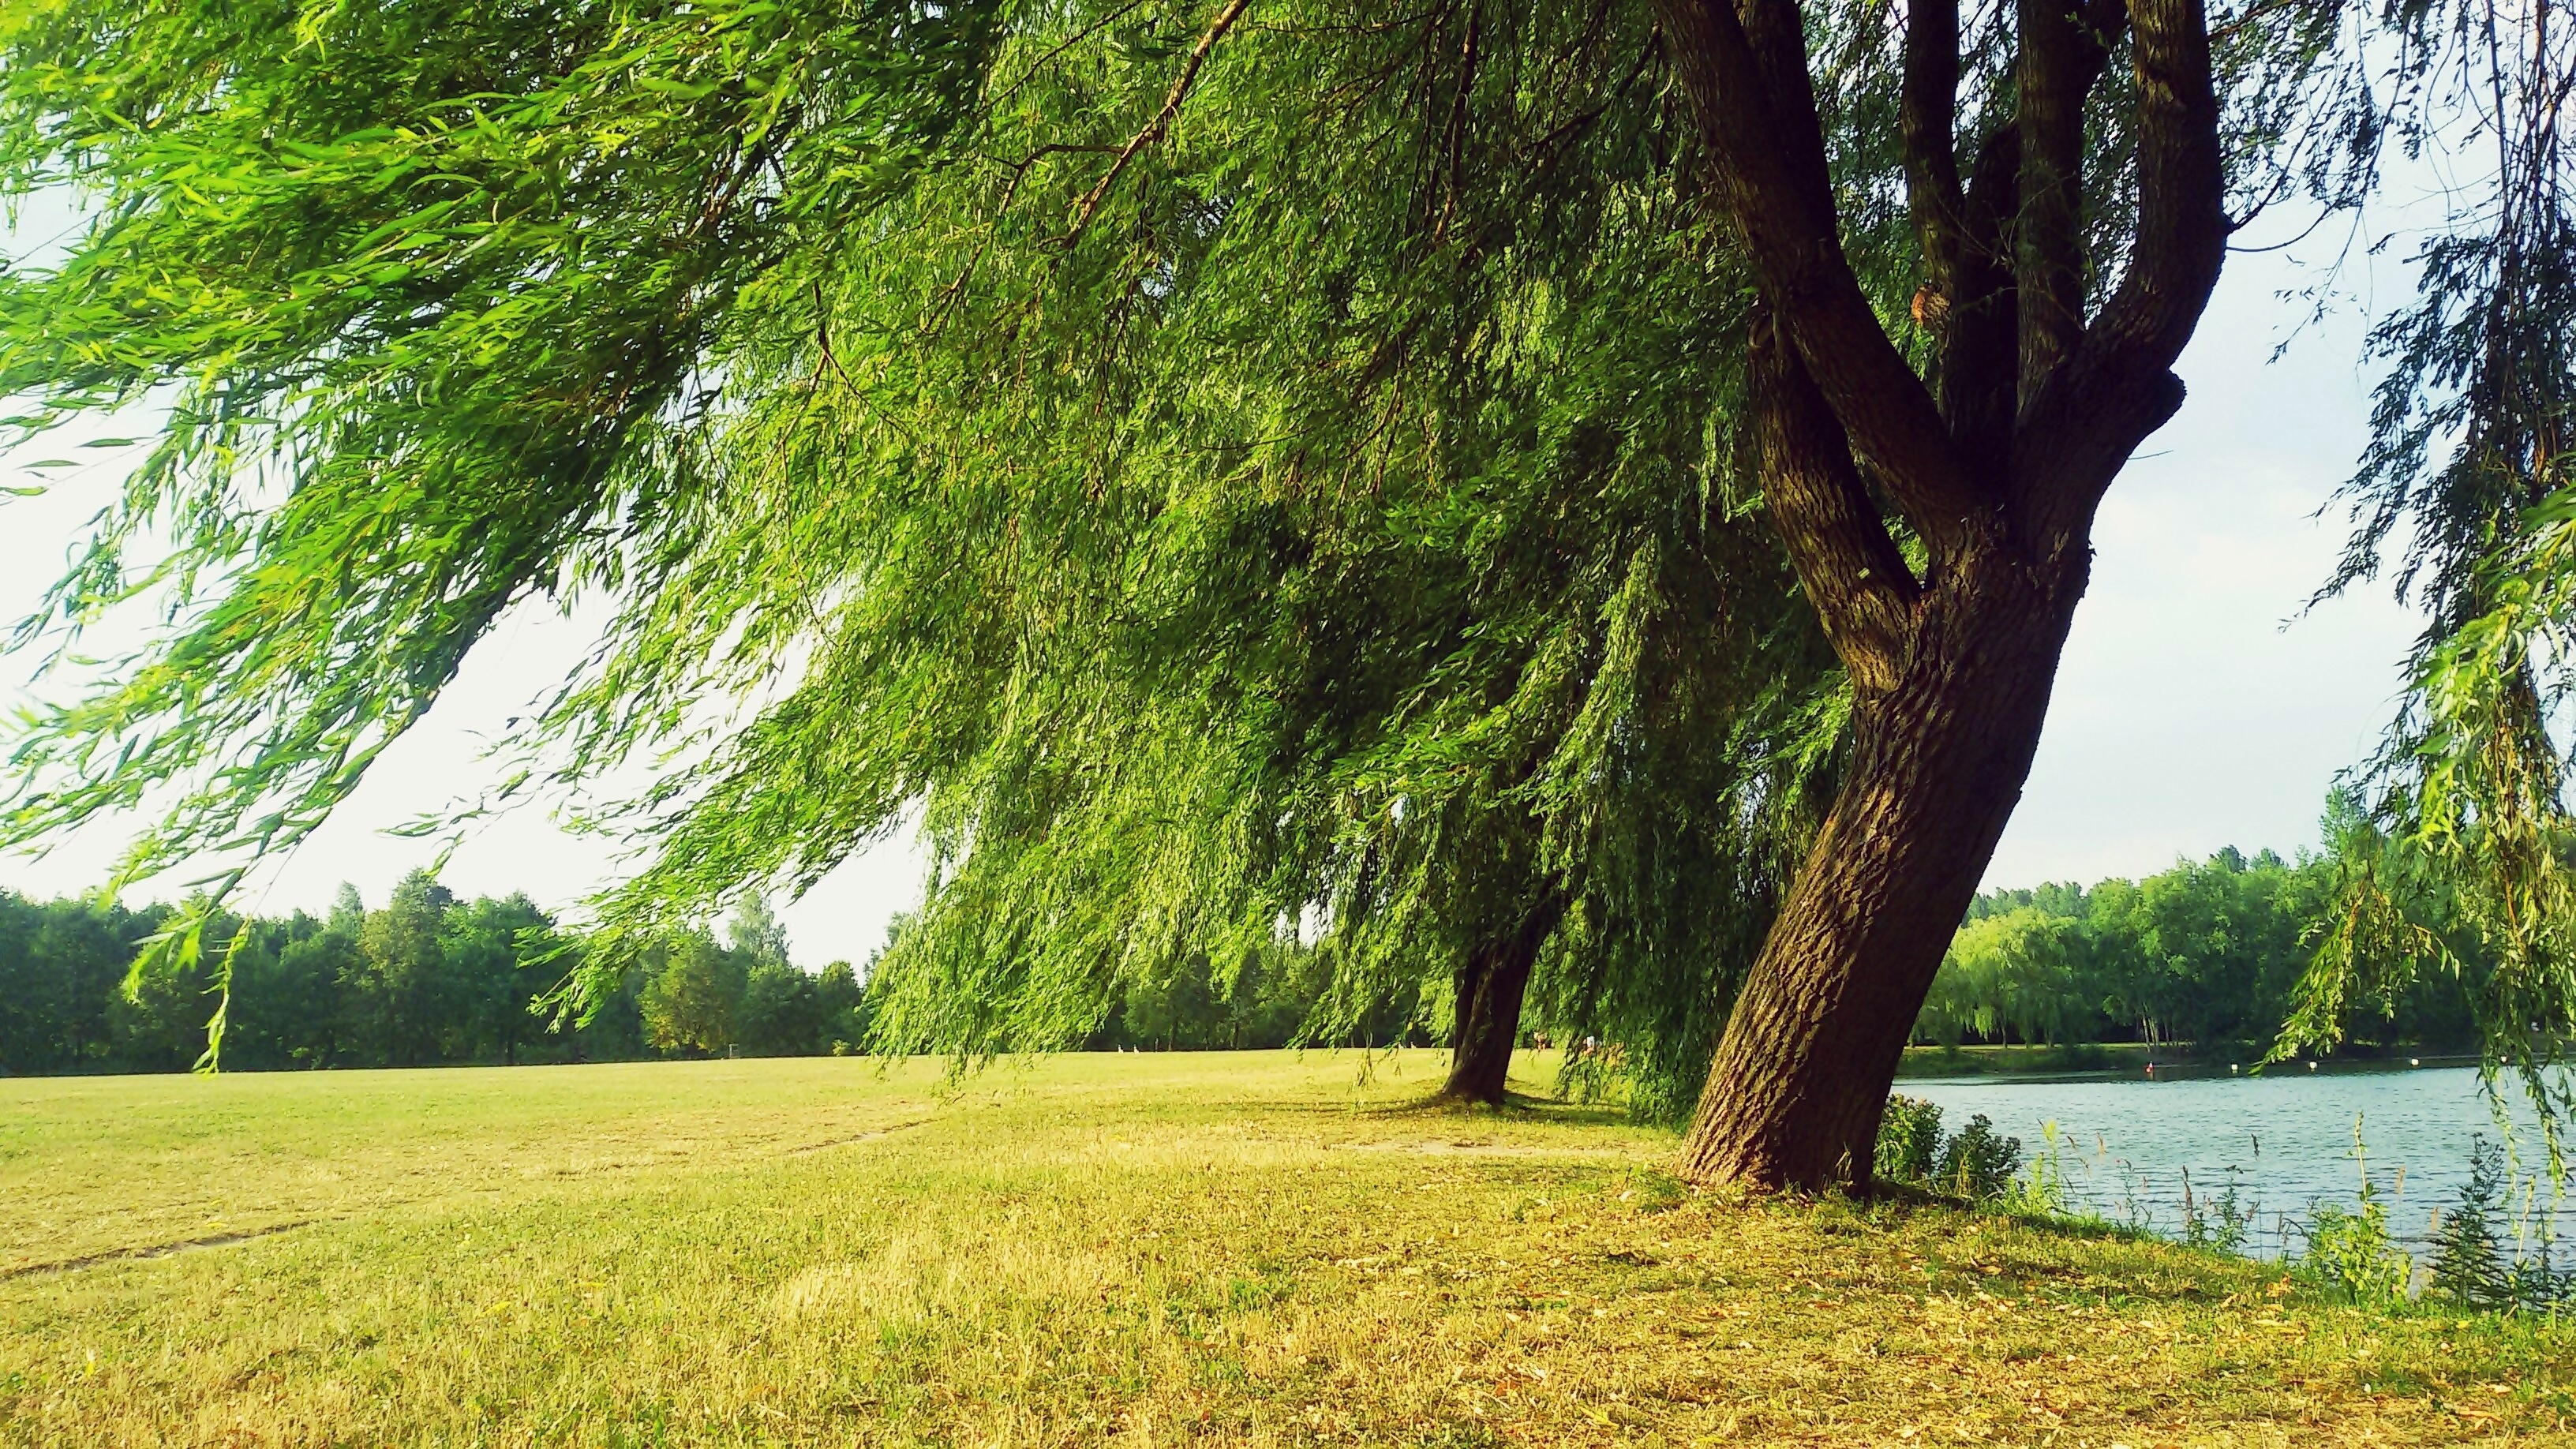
pixel 1491 989
pixel 1950 643
pixel 1802 1074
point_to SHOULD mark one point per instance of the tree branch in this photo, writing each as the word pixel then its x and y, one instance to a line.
pixel 1762 143
pixel 1980 330
pixel 2118 386
pixel 2048 245
pixel 2182 215
pixel 1862 590
pixel 1162 123
pixel 1927 117
pixel 2064 45
pixel 1775 34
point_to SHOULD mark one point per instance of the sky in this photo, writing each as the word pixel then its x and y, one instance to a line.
pixel 2203 703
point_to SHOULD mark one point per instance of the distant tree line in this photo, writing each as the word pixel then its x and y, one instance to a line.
pixel 427 979
pixel 2207 953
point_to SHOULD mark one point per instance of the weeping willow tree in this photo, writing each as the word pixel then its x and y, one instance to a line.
pixel 1189 600
pixel 2458 842
pixel 417 304
pixel 1594 492
pixel 1254 586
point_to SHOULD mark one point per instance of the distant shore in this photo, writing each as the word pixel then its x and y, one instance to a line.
pixel 2134 1059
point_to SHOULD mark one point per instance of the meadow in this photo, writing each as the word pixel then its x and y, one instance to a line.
pixel 1253 1248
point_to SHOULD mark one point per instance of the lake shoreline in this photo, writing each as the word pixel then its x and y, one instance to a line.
pixel 2103 1061
pixel 2150 1152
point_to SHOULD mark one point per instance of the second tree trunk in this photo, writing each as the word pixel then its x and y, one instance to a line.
pixel 1491 988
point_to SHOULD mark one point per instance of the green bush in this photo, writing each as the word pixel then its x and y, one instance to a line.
pixel 1975 1162
pixel 1909 1141
pixel 2472 1266
pixel 2350 1253
pixel 2469 1263
pixel 1979 1162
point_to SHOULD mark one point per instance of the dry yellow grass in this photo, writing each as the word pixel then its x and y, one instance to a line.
pixel 1138 1249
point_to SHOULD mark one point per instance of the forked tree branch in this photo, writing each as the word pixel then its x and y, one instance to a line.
pixel 2182 200
pixel 2117 387
pixel 2064 45
pixel 1984 359
pixel 1790 231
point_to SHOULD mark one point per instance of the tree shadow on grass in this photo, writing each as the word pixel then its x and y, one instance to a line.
pixel 1434 1105
pixel 1520 1107
pixel 1907 1198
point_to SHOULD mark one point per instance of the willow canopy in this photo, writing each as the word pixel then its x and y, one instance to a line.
pixel 1600 487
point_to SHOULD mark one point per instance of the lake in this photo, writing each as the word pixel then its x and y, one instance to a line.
pixel 2130 1146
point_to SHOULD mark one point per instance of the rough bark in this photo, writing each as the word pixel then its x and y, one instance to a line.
pixel 1996 470
pixel 1493 984
pixel 1802 1072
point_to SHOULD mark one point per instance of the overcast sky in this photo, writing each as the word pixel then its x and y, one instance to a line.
pixel 2201 703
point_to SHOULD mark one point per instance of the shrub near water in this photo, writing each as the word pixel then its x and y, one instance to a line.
pixel 2351 1254
pixel 2223 1222
pixel 2473 1267
pixel 1909 1141
pixel 2469 1266
pixel 1975 1162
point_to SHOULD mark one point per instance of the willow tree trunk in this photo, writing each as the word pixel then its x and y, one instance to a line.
pixel 1492 987
pixel 1800 1079
pixel 1992 452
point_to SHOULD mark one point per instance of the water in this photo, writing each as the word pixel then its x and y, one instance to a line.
pixel 2284 1140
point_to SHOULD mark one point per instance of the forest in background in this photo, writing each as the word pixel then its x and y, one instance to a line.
pixel 424 979
pixel 2205 954
pixel 427 979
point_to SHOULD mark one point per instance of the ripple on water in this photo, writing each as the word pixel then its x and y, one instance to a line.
pixel 2284 1140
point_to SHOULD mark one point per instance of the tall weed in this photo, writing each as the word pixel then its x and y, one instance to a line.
pixel 2222 1223
pixel 2350 1252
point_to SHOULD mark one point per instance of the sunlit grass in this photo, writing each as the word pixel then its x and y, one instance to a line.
pixel 1239 1248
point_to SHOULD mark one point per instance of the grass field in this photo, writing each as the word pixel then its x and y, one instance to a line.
pixel 1254 1248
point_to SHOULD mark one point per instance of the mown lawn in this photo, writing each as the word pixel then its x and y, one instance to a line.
pixel 1253 1248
